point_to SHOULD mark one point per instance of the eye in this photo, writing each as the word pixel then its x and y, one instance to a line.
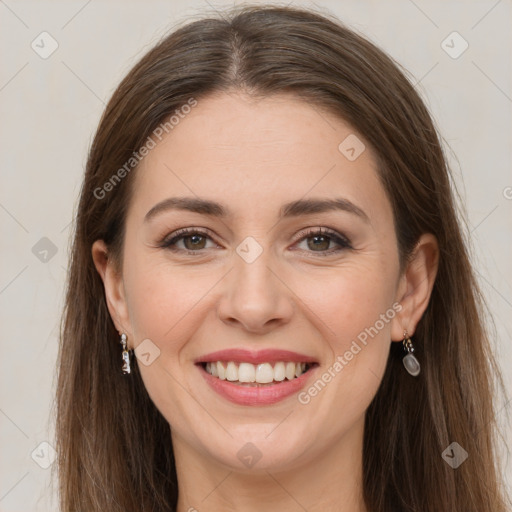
pixel 321 238
pixel 194 240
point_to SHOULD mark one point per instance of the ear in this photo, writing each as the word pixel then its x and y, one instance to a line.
pixel 415 286
pixel 114 287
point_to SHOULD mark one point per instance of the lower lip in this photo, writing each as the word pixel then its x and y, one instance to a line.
pixel 256 395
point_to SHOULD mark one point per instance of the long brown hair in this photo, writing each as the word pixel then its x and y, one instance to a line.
pixel 114 447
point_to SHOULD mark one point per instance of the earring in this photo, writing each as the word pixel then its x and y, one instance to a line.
pixel 125 355
pixel 411 364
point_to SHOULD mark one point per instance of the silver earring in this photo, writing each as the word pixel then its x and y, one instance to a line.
pixel 125 355
pixel 411 364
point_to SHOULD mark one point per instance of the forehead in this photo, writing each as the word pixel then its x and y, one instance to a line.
pixel 253 155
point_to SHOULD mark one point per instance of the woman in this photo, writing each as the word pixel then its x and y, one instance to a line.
pixel 270 303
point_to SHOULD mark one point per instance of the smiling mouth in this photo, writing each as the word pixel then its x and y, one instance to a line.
pixel 256 375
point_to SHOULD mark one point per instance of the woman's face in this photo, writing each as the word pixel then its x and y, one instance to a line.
pixel 260 283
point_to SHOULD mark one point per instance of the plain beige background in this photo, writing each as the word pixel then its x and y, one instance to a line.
pixel 50 108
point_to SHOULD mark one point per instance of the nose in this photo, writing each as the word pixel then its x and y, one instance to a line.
pixel 256 298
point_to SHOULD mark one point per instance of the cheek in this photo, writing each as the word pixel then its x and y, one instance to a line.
pixel 348 299
pixel 162 298
pixel 165 305
pixel 354 307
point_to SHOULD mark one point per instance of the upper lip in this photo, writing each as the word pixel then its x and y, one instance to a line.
pixel 239 355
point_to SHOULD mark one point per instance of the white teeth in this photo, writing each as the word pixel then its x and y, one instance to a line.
pixel 290 371
pixel 246 372
pixel 279 373
pixel 262 373
pixel 231 372
pixel 221 371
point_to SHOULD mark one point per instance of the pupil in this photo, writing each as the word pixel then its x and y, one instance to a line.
pixel 322 237
pixel 196 239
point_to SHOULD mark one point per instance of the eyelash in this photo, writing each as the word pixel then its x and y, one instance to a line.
pixel 343 242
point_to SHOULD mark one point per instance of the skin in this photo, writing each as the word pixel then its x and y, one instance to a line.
pixel 253 156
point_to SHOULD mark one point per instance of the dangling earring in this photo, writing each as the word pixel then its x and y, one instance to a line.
pixel 125 355
pixel 412 365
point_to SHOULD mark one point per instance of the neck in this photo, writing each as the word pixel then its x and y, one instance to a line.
pixel 329 482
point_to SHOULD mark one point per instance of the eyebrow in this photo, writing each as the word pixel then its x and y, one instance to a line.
pixel 288 210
